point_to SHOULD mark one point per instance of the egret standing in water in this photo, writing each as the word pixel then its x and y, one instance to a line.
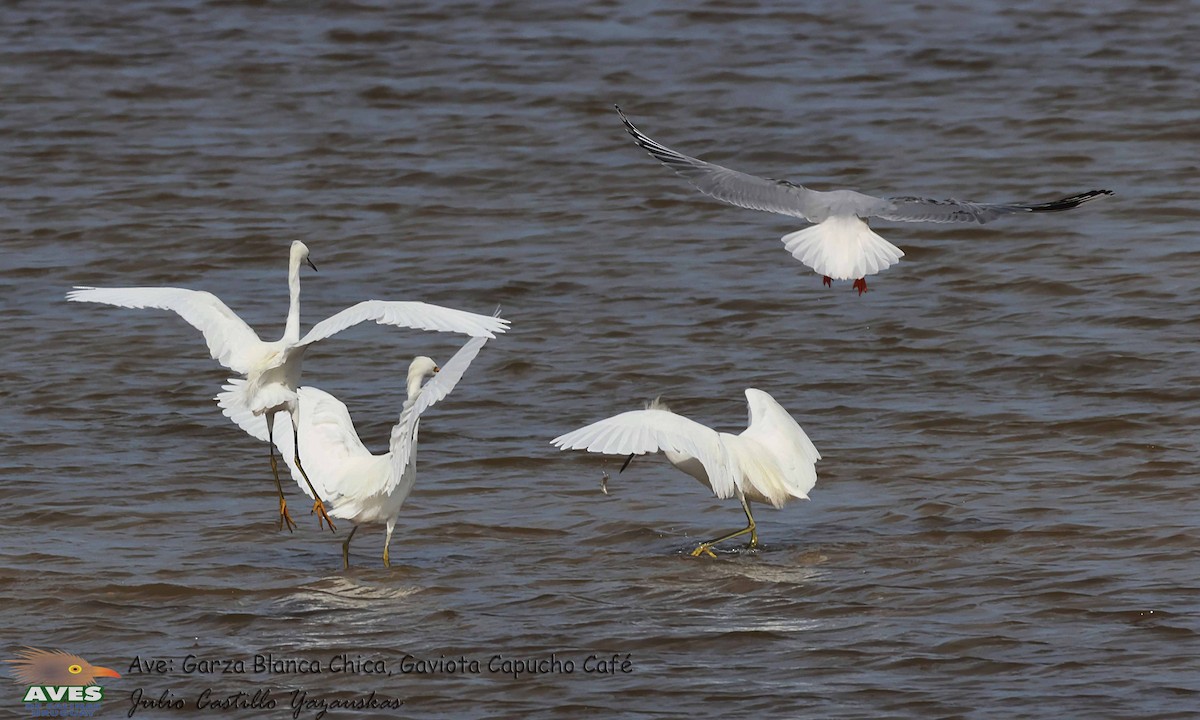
pixel 272 369
pixel 840 245
pixel 359 486
pixel 771 461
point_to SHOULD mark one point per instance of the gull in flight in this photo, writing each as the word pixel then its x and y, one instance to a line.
pixel 272 369
pixel 360 487
pixel 771 461
pixel 839 245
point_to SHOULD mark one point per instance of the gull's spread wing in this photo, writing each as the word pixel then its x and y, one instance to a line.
pixel 733 187
pixel 916 209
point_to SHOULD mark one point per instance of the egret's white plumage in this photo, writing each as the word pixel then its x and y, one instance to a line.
pixel 840 245
pixel 272 369
pixel 357 485
pixel 771 461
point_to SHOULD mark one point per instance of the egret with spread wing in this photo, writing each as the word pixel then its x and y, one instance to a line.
pixel 839 245
pixel 272 369
pixel 359 486
pixel 771 461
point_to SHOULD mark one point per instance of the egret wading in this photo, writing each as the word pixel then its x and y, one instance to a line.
pixel 271 370
pixel 771 461
pixel 359 486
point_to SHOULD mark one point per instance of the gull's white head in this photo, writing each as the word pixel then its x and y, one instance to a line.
pixel 300 254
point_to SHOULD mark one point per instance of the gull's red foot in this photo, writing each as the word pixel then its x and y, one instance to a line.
pixel 860 285
pixel 827 281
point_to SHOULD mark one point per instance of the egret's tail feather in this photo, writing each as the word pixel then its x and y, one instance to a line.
pixel 843 248
pixel 233 404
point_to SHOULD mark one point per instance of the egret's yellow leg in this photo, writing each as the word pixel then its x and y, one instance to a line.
pixel 705 548
pixel 346 548
pixel 750 518
pixel 284 516
pixel 387 542
pixel 318 506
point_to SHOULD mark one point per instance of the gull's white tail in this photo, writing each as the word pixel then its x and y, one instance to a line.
pixel 843 248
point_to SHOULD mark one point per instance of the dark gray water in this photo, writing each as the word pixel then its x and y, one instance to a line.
pixel 1004 523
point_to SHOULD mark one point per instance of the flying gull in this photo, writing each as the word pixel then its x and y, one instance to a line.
pixel 839 245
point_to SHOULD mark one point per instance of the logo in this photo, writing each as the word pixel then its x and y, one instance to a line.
pixel 59 684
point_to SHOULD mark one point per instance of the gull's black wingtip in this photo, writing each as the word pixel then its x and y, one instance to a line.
pixel 628 125
pixel 1069 203
pixel 636 134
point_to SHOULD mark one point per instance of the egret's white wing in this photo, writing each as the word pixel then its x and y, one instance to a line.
pixel 646 431
pixel 404 434
pixel 328 443
pixel 230 340
pixel 731 186
pixel 776 431
pixel 233 404
pixel 327 435
pixel 418 315
pixel 232 401
pixel 917 209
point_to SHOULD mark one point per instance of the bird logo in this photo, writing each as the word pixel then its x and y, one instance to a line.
pixel 56 668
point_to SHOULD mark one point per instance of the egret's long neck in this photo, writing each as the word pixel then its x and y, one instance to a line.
pixel 291 331
pixel 414 387
pixel 400 438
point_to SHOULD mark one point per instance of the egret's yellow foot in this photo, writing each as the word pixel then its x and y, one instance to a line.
pixel 703 550
pixel 346 548
pixel 387 561
pixel 285 516
pixel 322 516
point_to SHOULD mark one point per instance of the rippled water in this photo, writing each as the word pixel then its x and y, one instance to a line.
pixel 1005 519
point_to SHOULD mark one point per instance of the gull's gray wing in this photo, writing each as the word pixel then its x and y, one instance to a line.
pixel 738 188
pixel 916 209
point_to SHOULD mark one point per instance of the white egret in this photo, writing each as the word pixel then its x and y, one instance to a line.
pixel 840 245
pixel 359 486
pixel 771 461
pixel 272 369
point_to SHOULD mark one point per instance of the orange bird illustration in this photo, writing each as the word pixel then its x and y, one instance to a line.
pixel 56 667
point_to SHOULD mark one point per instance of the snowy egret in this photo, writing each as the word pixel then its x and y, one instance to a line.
pixel 359 486
pixel 272 369
pixel 840 245
pixel 771 461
